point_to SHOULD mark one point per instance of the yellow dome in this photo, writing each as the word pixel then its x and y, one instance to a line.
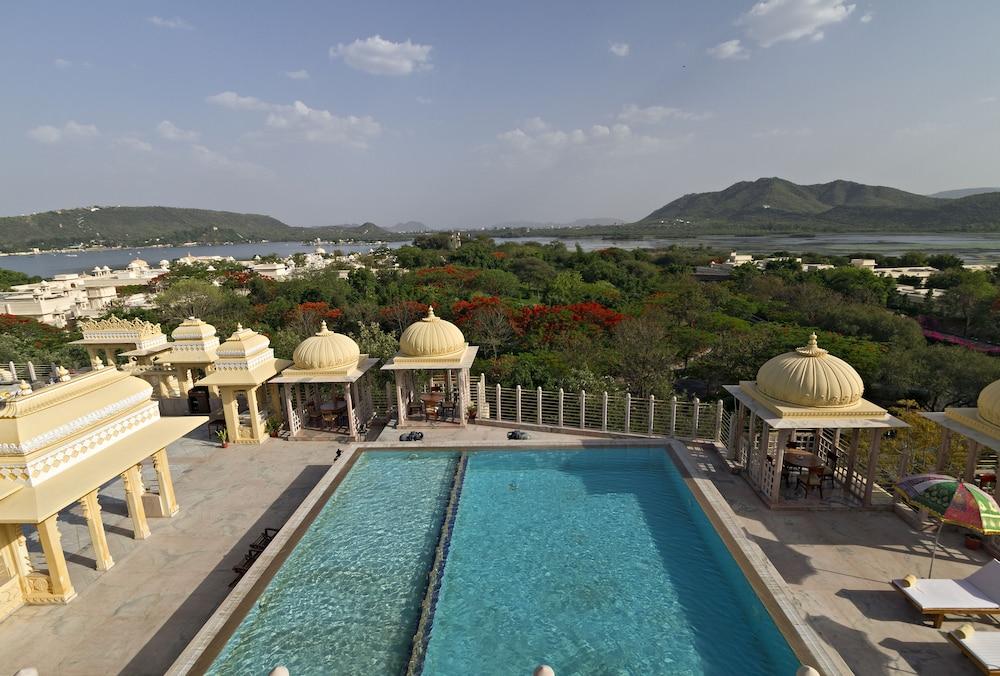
pixel 989 403
pixel 810 376
pixel 431 337
pixel 326 351
pixel 193 328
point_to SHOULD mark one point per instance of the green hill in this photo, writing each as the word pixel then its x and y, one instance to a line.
pixel 777 205
pixel 138 226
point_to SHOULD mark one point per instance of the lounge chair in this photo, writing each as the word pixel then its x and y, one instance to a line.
pixel 983 648
pixel 978 594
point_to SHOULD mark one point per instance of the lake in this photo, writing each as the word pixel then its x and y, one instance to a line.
pixel 972 247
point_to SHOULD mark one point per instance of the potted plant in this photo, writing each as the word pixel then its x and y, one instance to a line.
pixel 273 426
pixel 470 413
pixel 973 541
pixel 223 437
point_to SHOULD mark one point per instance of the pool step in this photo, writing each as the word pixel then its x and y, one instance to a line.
pixel 421 638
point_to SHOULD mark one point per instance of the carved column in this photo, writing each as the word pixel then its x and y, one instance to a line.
pixel 231 412
pixel 168 502
pixel 352 427
pixel 60 586
pixel 132 478
pixel 255 428
pixel 14 553
pixel 92 512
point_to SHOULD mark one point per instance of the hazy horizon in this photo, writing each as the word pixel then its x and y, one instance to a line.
pixel 467 115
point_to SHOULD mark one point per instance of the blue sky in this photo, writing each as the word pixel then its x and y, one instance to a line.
pixel 471 113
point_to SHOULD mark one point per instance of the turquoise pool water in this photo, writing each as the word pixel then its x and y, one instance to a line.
pixel 592 561
pixel 347 599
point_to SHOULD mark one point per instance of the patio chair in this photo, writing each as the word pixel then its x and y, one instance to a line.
pixel 329 420
pixel 983 648
pixel 829 471
pixel 978 594
pixel 313 417
pixel 814 479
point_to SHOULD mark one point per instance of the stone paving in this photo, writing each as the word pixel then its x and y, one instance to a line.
pixel 138 617
pixel 837 565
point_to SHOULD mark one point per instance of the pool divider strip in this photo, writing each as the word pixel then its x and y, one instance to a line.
pixel 422 636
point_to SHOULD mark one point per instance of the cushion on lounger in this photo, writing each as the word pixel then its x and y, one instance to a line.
pixel 987 579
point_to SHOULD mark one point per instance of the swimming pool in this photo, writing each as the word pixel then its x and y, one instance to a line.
pixel 592 561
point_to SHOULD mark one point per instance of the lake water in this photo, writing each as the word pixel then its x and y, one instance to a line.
pixel 972 247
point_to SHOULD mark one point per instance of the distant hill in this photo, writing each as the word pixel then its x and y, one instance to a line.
pixel 963 192
pixel 778 205
pixel 578 223
pixel 138 226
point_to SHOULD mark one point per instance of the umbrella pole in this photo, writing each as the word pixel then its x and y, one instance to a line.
pixel 934 551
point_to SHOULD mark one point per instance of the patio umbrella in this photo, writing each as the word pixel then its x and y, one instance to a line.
pixel 953 501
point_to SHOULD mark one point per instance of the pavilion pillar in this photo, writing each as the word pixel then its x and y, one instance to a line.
pixel 14 556
pixel 92 513
pixel 463 378
pixel 162 388
pixel 400 404
pixel 60 586
pixel 971 458
pixel 168 501
pixel 132 478
pixel 293 426
pixel 873 450
pixel 852 459
pixel 273 400
pixel 765 436
pixel 231 413
pixel 449 385
pixel 252 404
pixel 943 450
pixel 352 427
pixel 779 459
pixel 736 432
pixel 751 441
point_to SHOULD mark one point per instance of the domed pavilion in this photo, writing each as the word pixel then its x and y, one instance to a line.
pixel 327 388
pixel 980 427
pixel 437 346
pixel 245 364
pixel 789 427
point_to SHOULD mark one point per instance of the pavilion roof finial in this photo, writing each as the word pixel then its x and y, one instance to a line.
pixel 430 312
pixel 812 348
pixel 322 328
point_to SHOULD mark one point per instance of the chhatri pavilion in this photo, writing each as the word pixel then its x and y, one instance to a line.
pixel 59 445
pixel 980 427
pixel 790 424
pixel 438 346
pixel 327 387
pixel 244 366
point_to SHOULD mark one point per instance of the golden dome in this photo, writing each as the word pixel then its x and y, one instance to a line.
pixel 989 403
pixel 243 343
pixel 810 376
pixel 431 337
pixel 193 328
pixel 326 350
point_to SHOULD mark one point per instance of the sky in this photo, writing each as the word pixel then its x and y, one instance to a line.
pixel 472 113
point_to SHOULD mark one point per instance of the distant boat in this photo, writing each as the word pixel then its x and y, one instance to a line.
pixel 72 256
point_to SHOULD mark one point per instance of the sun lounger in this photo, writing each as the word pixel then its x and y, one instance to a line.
pixel 983 648
pixel 978 594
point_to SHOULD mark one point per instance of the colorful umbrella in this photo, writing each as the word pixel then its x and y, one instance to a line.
pixel 952 501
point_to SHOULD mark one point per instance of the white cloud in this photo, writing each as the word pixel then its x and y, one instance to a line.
pixel 771 21
pixel 303 123
pixel 633 114
pixel 297 74
pixel 619 48
pixel 62 63
pixel 923 129
pixel 423 100
pixel 212 159
pixel 234 101
pixel 867 17
pixel 778 132
pixel 132 143
pixel 172 132
pixel 989 99
pixel 383 57
pixel 46 133
pixel 542 144
pixel 729 50
pixel 175 23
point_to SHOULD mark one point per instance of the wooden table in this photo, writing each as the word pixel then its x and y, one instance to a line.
pixel 329 406
pixel 802 458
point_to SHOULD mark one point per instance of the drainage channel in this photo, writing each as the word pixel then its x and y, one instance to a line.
pixel 422 637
